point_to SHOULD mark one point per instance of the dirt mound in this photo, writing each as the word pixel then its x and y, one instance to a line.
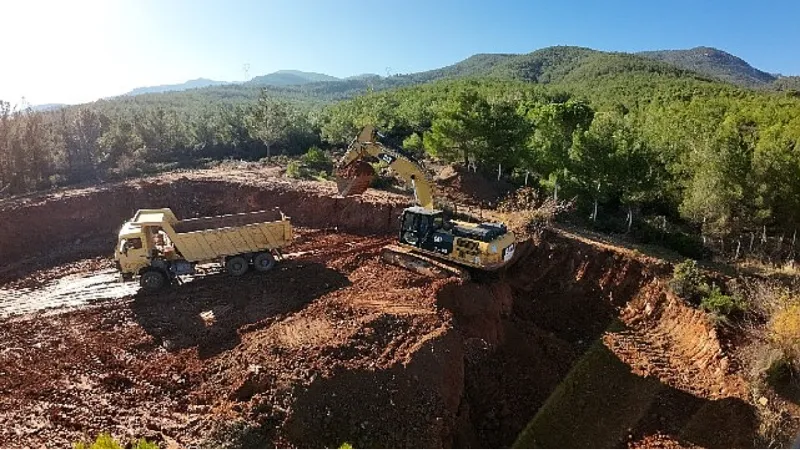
pixel 460 185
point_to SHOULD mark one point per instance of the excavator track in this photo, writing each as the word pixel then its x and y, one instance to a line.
pixel 412 260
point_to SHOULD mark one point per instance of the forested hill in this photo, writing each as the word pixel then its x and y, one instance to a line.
pixel 714 63
pixel 547 65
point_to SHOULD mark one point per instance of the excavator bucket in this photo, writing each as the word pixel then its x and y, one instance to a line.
pixel 354 178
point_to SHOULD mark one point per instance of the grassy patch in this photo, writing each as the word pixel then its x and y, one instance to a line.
pixel 105 440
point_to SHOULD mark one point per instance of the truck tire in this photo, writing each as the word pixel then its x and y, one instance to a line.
pixel 152 280
pixel 264 261
pixel 236 266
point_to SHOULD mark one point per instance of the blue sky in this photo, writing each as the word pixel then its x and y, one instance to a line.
pixel 77 51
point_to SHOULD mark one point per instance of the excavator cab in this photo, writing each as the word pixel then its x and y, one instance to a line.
pixel 426 229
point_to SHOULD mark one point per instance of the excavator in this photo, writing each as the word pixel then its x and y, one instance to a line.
pixel 428 242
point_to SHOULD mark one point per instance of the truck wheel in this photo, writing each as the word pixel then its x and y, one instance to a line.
pixel 264 261
pixel 152 280
pixel 236 266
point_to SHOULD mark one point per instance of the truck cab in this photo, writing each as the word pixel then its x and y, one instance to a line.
pixel 131 254
pixel 138 244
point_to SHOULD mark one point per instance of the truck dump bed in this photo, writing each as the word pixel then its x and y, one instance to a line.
pixel 210 238
pixel 230 220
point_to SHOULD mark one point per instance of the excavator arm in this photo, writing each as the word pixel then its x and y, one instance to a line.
pixel 356 181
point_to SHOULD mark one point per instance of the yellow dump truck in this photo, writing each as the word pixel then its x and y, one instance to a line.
pixel 157 247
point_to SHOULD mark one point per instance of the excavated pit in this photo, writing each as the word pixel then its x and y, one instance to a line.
pixel 574 345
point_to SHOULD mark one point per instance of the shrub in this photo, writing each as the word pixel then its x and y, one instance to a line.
pixel 722 305
pixel 104 440
pixel 688 282
pixel 313 164
pixel 784 329
pixel 316 160
pixel 295 170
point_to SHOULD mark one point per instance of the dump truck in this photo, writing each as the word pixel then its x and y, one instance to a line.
pixel 157 247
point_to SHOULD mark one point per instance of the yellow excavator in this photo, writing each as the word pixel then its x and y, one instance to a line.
pixel 429 242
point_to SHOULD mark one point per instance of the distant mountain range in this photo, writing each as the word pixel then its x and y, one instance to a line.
pixel 547 65
pixel 279 78
pixel 291 78
pixel 48 106
pixel 191 84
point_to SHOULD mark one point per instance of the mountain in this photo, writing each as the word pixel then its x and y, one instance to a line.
pixel 279 78
pixel 551 65
pixel 714 63
pixel 578 69
pixel 291 78
pixel 191 84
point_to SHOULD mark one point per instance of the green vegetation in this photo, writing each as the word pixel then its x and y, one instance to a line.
pixel 714 63
pixel 721 305
pixel 643 147
pixel 687 281
pixel 104 440
pixel 315 163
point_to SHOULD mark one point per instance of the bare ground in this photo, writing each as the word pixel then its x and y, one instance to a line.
pixel 334 345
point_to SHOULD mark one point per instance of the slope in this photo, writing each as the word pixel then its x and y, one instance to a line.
pixel 191 84
pixel 714 63
pixel 549 65
pixel 291 78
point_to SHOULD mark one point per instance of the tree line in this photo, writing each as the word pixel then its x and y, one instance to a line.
pixel 110 140
pixel 705 154
pixel 717 158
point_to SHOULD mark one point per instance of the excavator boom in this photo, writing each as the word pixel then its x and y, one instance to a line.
pixel 354 175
